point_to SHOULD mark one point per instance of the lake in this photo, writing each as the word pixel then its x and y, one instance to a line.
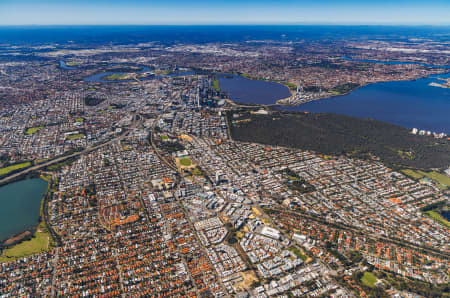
pixel 20 205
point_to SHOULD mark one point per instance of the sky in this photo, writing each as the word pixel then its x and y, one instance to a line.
pixel 217 12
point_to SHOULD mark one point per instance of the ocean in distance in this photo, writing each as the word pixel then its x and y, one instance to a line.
pixel 407 103
pixel 87 36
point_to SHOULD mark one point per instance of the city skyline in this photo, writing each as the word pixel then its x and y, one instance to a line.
pixel 175 12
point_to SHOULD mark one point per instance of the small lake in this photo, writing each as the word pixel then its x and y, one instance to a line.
pixel 20 205
pixel 245 90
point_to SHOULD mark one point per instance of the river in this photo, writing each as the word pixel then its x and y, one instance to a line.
pixel 20 206
pixel 249 91
pixel 406 103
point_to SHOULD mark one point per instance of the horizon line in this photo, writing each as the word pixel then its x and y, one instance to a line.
pixel 234 24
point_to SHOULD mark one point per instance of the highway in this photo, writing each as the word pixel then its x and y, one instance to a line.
pixel 62 158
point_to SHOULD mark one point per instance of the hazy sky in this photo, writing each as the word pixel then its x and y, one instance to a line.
pixel 97 12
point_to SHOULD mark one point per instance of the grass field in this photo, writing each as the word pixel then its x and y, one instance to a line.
pixel 56 166
pixel 9 169
pixel 438 218
pixel 79 120
pixel 73 63
pixel 369 279
pixel 333 92
pixel 412 174
pixel 116 76
pixel 197 172
pixel 40 242
pixel 33 130
pixel 47 178
pixel 164 138
pixel 75 137
pixel 186 162
pixel 216 85
pixel 39 161
pixel 443 180
pixel 290 85
pixel 298 253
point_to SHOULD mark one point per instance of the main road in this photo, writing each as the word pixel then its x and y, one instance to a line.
pixel 62 158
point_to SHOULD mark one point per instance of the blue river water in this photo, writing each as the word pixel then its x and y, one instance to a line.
pixel 244 90
pixel 20 203
pixel 99 77
pixel 406 103
pixel 63 65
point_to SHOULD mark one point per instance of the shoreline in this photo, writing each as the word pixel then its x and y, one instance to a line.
pixel 30 233
pixel 281 107
pixel 352 90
